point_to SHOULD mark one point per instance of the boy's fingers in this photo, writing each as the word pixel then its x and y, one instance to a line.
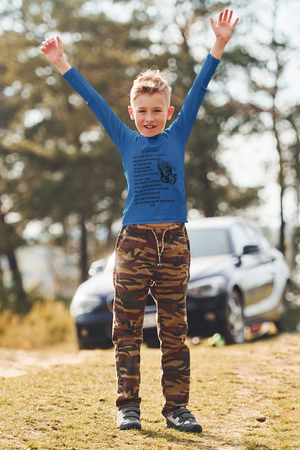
pixel 50 41
pixel 212 24
pixel 59 41
pixel 235 23
pixel 225 15
pixel 220 17
pixel 230 16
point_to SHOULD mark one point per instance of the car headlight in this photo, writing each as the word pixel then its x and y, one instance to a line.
pixel 83 304
pixel 207 287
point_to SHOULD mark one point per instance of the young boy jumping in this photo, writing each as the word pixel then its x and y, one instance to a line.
pixel 152 249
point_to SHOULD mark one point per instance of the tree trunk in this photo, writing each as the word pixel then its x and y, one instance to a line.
pixel 281 184
pixel 282 224
pixel 282 189
pixel 2 292
pixel 276 48
pixel 83 251
pixel 21 298
pixel 20 294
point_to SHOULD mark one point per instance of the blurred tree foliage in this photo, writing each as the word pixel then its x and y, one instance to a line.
pixel 57 164
pixel 262 65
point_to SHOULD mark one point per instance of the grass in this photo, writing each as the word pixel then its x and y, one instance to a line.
pixel 72 406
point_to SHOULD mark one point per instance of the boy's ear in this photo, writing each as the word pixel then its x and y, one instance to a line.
pixel 130 110
pixel 170 112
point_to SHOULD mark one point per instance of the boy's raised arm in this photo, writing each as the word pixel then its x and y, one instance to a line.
pixel 222 31
pixel 53 50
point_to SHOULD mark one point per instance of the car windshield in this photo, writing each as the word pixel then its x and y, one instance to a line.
pixel 209 242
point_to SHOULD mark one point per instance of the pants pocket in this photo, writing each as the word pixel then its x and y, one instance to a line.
pixel 121 238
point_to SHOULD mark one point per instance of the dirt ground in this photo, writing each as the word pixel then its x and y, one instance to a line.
pixel 14 363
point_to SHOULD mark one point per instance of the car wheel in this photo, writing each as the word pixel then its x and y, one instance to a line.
pixel 152 342
pixel 234 332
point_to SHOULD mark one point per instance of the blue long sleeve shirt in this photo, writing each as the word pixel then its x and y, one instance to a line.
pixel 153 166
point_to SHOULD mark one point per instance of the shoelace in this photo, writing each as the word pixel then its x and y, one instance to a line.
pixel 159 252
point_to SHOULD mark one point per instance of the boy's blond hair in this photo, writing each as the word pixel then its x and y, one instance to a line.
pixel 151 82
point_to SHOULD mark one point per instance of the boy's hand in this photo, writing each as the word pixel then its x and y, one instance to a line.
pixel 53 50
pixel 223 28
pixel 222 31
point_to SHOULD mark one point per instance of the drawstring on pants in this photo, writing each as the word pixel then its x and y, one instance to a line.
pixel 159 252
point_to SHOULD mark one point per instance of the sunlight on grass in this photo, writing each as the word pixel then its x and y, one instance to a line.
pixel 73 406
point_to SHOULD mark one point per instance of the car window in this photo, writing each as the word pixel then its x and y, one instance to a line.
pixel 257 238
pixel 211 242
pixel 239 238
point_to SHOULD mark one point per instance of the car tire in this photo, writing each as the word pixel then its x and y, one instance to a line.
pixel 282 324
pixel 234 332
pixel 152 342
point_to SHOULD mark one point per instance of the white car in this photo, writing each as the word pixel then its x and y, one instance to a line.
pixel 237 279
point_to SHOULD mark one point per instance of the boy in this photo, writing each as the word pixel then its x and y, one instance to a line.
pixel 152 250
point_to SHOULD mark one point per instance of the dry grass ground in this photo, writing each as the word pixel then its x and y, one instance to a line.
pixel 66 401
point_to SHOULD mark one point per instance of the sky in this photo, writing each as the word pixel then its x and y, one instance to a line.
pixel 254 161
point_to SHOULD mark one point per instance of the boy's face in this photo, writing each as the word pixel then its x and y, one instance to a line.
pixel 150 113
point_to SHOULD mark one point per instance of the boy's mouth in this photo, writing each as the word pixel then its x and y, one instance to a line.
pixel 150 127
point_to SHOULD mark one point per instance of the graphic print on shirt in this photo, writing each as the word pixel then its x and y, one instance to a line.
pixel 166 171
pixel 153 178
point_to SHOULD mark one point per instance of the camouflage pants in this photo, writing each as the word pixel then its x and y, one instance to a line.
pixel 157 259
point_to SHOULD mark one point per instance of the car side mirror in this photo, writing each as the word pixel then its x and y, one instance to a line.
pixel 251 249
pixel 97 266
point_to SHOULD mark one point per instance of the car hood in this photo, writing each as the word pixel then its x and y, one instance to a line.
pixel 102 283
pixel 208 265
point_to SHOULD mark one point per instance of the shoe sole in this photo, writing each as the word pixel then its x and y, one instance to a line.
pixel 195 428
pixel 135 426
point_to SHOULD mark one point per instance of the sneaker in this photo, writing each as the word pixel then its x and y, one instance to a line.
pixel 183 420
pixel 129 418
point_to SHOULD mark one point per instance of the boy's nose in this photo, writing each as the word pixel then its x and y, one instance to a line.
pixel 149 116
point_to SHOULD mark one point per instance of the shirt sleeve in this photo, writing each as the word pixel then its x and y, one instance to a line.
pixel 186 118
pixel 117 130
